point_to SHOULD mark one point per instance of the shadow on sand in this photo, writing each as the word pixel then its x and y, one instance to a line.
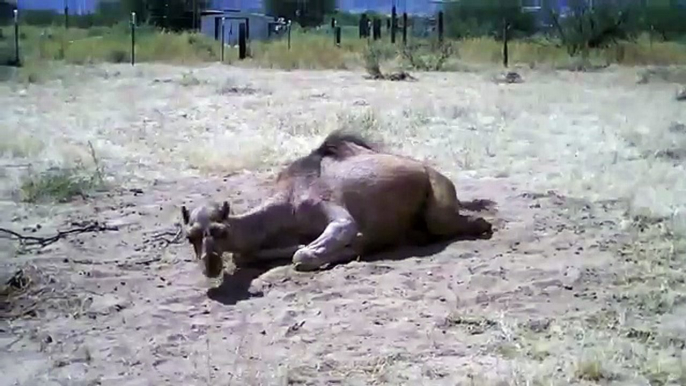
pixel 235 286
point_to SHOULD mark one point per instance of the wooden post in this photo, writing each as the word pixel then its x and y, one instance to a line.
pixel 195 15
pixel 394 24
pixel 376 29
pixel 404 28
pixel 289 35
pixel 363 26
pixel 242 47
pixel 338 36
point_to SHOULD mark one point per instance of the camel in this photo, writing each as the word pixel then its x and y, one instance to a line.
pixel 344 200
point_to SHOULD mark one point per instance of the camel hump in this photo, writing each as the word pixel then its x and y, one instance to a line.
pixel 340 144
pixel 337 145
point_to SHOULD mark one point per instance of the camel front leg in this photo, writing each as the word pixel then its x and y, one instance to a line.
pixel 265 256
pixel 276 253
pixel 340 241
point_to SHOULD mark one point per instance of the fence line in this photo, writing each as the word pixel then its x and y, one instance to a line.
pixel 369 28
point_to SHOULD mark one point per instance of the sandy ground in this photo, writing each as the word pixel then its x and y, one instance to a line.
pixel 581 284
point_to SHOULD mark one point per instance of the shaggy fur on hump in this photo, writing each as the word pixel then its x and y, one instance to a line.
pixel 335 145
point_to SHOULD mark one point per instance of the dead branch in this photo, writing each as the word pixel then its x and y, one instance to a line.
pixel 160 236
pixel 40 242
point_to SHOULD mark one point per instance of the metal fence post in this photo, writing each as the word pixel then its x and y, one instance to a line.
pixel 133 38
pixel 506 56
pixel 66 14
pixel 223 28
pixel 16 38
pixel 336 32
pixel 394 23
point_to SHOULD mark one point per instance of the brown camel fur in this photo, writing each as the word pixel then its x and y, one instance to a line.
pixel 343 200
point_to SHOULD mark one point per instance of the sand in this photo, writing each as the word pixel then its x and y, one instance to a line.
pixel 568 291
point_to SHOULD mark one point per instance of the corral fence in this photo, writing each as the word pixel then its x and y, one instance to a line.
pixel 660 21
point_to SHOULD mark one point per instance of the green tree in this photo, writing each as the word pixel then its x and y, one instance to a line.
pixel 307 13
pixel 138 6
pixel 471 18
pixel 170 14
pixel 6 14
pixel 667 20
pixel 109 13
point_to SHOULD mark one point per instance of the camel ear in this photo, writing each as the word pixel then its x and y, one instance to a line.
pixel 225 210
pixel 185 215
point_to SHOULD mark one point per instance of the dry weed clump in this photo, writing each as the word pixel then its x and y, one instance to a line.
pixel 31 290
pixel 61 184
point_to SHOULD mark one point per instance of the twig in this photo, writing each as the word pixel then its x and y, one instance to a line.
pixel 29 241
pixel 160 236
pixel 140 262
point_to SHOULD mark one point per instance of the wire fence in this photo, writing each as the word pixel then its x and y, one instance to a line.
pixel 397 27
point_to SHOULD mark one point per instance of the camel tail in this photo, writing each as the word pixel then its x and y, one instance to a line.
pixel 478 205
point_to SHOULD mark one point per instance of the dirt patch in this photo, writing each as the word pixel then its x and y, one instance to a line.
pixel 127 288
pixel 581 282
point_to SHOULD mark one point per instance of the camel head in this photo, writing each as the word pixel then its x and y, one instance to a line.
pixel 206 229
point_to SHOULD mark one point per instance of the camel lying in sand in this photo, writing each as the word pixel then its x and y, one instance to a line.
pixel 343 200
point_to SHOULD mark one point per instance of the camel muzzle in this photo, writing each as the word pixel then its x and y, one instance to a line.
pixel 213 265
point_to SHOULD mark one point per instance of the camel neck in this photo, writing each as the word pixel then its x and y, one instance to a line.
pixel 252 228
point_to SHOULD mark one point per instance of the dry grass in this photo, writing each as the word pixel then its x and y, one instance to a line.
pixel 599 137
pixel 313 50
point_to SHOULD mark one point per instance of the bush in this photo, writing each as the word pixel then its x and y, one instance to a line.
pixel 587 28
pixel 308 13
pixel 665 22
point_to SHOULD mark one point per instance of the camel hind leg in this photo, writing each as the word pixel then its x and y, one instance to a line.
pixel 442 212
